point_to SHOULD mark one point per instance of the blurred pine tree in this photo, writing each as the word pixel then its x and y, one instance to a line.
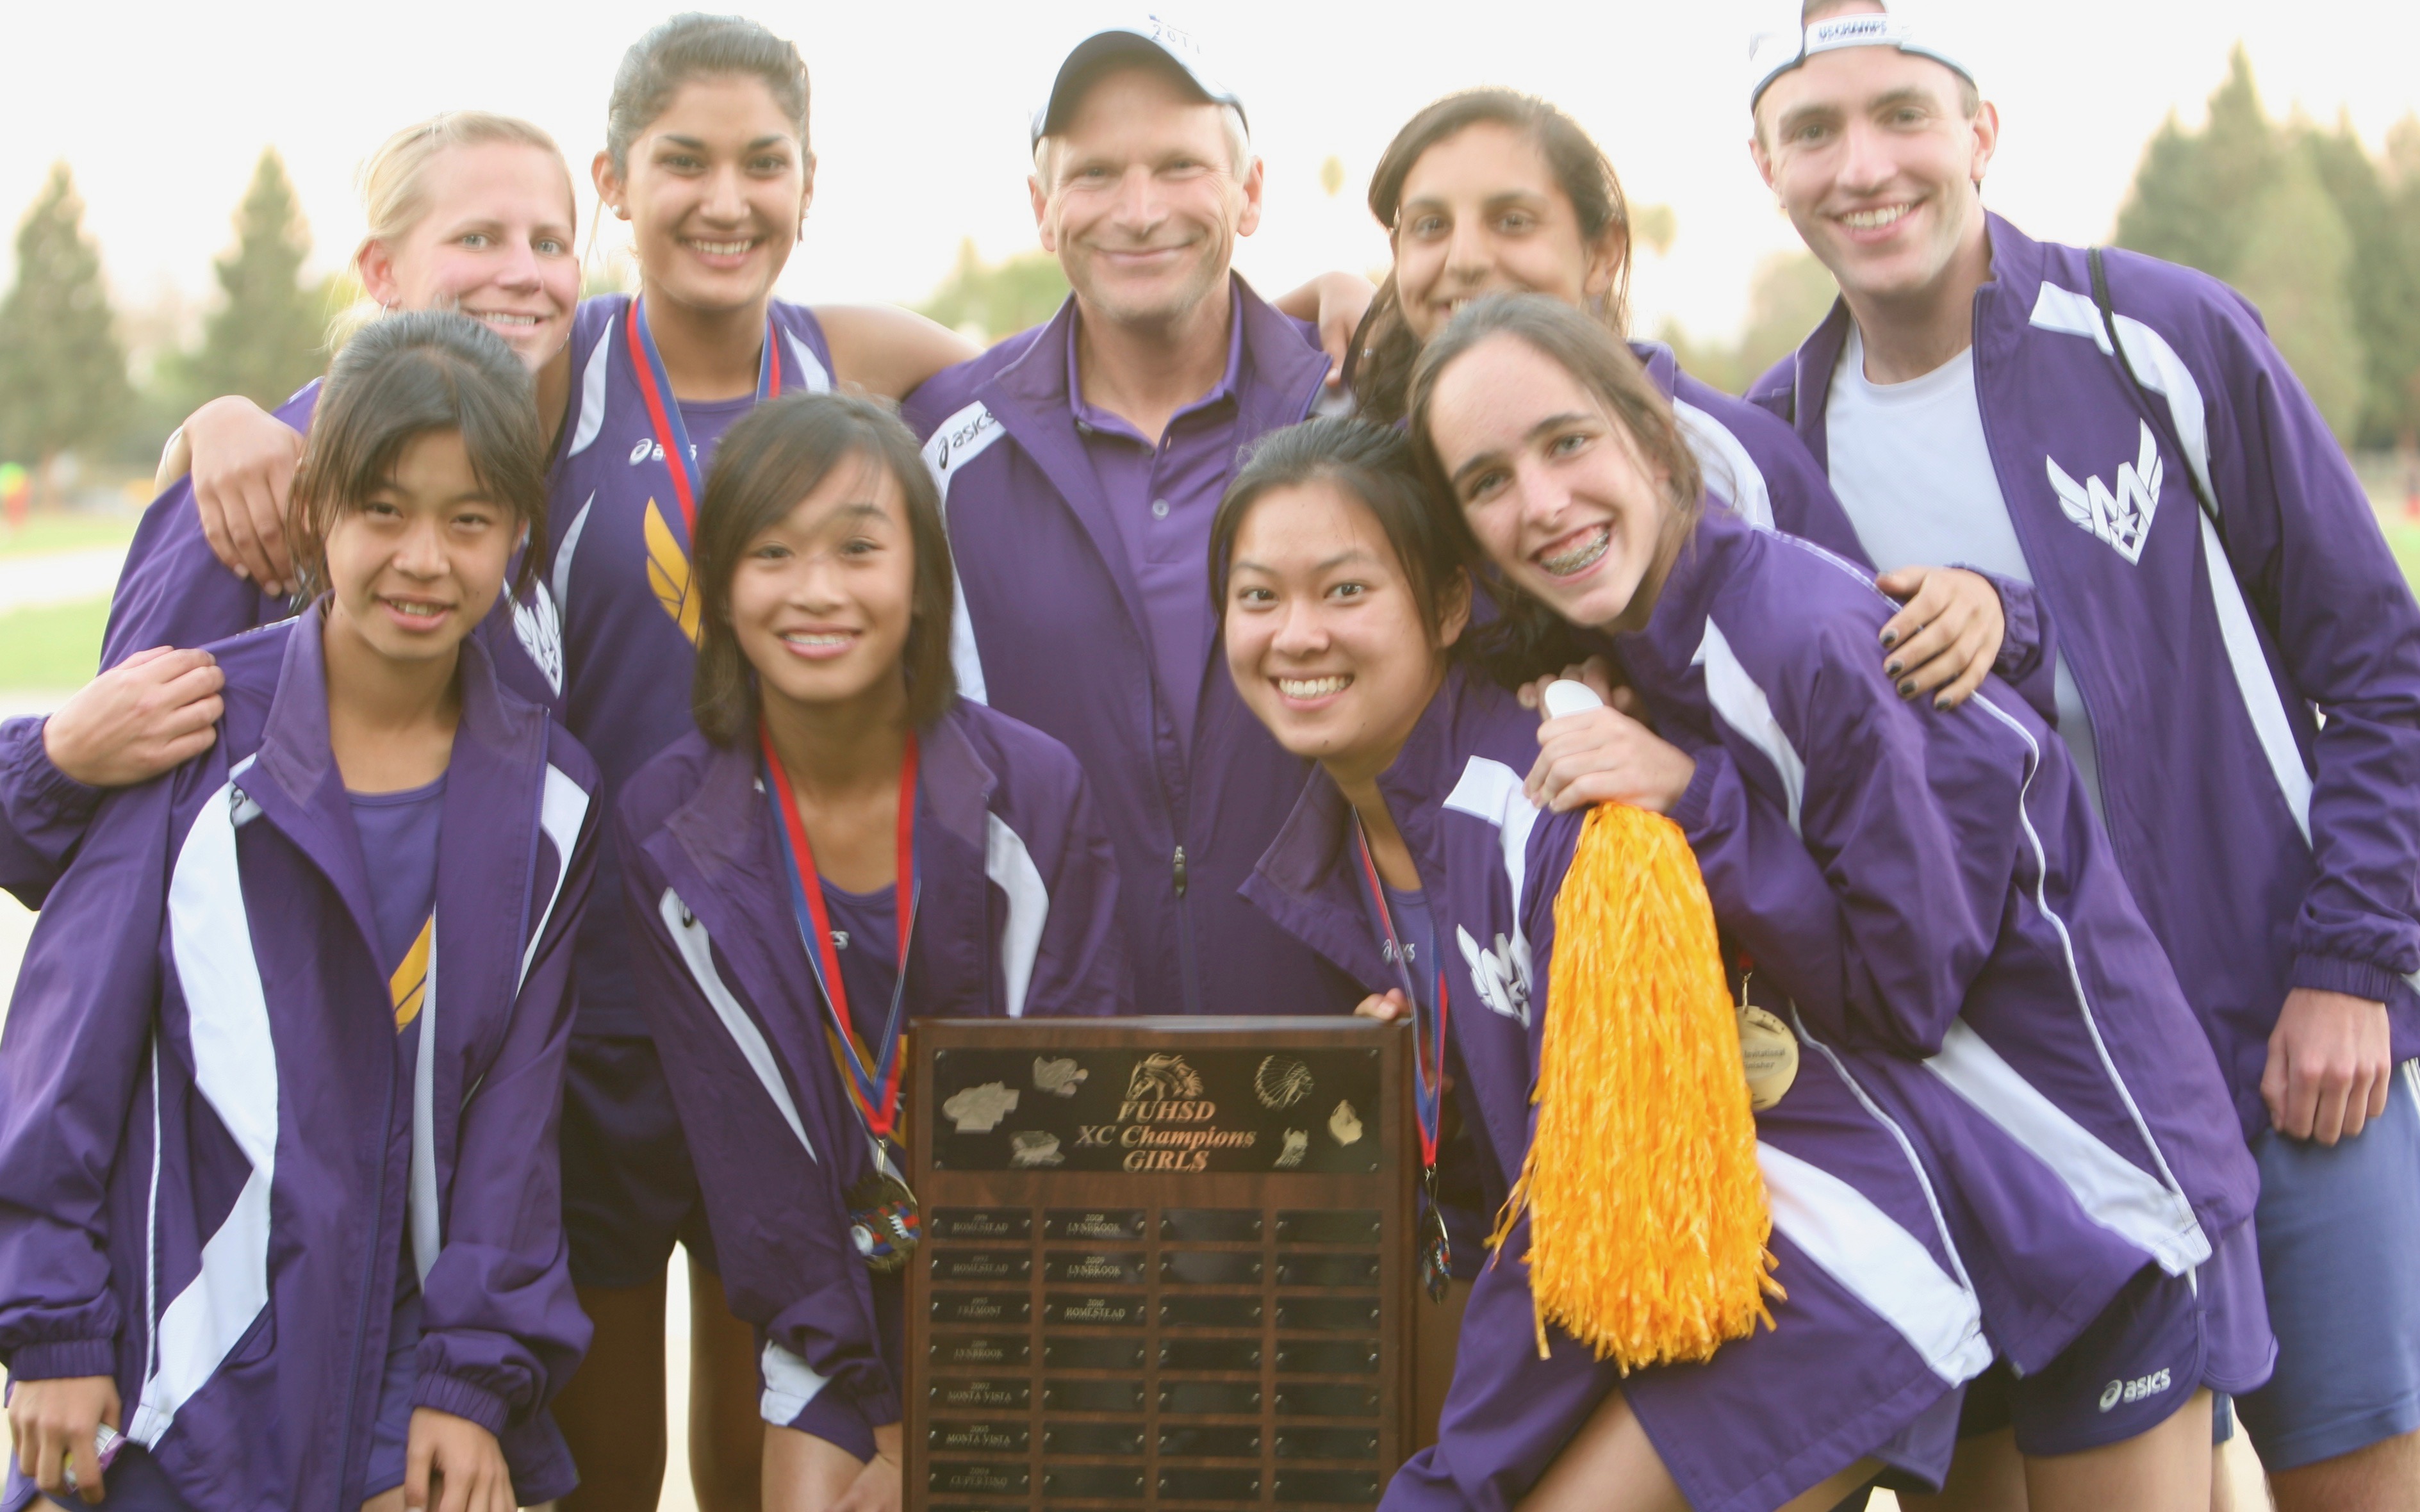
pixel 988 300
pixel 2213 199
pixel 63 382
pixel 2190 194
pixel 268 337
pixel 2296 264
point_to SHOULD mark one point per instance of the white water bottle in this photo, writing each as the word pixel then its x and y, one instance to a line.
pixel 1563 696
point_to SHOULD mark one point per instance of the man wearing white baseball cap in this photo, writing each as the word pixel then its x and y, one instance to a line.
pixel 1147 39
pixel 1080 464
pixel 2121 433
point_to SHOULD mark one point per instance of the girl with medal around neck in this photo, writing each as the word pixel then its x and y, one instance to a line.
pixel 842 845
pixel 707 157
pixel 1345 618
pixel 1927 887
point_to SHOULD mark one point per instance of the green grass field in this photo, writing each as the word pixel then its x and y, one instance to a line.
pixel 58 647
pixel 53 647
pixel 64 533
pixel 2404 537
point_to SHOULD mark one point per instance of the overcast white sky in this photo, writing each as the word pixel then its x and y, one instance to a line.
pixel 920 112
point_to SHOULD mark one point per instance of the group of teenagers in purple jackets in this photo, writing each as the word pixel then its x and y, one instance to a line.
pixel 622 716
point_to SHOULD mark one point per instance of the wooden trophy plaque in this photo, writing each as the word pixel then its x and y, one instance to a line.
pixel 1166 1263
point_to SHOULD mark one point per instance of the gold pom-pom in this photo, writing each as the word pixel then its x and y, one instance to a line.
pixel 1648 1218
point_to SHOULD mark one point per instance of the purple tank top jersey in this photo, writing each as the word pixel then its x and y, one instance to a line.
pixel 865 932
pixel 620 571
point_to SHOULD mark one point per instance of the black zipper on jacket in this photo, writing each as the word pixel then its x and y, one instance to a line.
pixel 1174 810
pixel 1189 988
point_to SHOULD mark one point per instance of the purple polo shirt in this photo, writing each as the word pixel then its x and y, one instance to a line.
pixel 1163 497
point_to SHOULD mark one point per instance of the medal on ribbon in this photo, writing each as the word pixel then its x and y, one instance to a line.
pixel 884 1221
pixel 667 572
pixel 1768 1051
pixel 1428 1083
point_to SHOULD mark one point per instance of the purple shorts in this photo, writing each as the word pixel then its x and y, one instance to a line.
pixel 2135 1365
pixel 629 1190
pixel 2338 1225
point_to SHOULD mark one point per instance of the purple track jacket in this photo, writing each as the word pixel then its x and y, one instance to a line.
pixel 213 1154
pixel 2268 850
pixel 1051 631
pixel 1881 1327
pixel 1017 917
pixel 1931 889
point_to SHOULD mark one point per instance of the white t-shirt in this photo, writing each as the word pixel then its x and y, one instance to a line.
pixel 1914 473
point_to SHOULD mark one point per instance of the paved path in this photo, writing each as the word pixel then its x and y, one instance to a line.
pixel 20 701
pixel 50 577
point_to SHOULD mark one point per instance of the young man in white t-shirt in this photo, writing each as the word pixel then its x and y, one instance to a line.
pixel 2121 434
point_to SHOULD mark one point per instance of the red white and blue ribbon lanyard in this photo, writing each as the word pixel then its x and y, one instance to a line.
pixel 1428 1078
pixel 885 1224
pixel 663 410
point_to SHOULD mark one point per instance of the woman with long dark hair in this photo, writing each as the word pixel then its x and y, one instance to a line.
pixel 1928 888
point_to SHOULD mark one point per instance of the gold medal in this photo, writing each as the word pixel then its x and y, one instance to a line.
pixel 1768 1053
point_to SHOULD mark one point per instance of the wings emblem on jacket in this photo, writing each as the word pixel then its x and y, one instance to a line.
pixel 2120 516
pixel 1501 975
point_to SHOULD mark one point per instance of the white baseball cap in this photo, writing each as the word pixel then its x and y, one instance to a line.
pixel 1777 49
pixel 1147 37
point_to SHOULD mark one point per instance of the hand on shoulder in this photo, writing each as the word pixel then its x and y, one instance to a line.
pixel 1946 636
pixel 150 713
pixel 243 465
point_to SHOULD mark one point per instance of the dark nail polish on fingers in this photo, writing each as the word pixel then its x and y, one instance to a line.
pixel 1894 667
pixel 1941 704
pixel 1907 689
pixel 1890 638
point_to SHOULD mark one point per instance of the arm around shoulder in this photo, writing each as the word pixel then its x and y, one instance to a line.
pixel 886 350
pixel 43 813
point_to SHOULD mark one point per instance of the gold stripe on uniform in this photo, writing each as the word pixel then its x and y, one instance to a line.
pixel 408 986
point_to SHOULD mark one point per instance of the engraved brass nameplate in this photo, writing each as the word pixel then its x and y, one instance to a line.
pixel 1170 1264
